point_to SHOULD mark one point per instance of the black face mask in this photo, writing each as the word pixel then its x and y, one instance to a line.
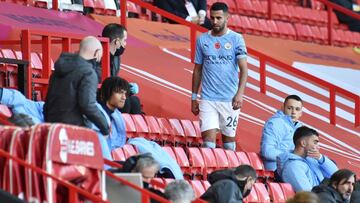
pixel 145 185
pixel 241 184
pixel 119 51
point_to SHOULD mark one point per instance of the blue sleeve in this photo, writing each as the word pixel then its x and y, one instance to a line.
pixel 240 48
pixel 13 98
pixel 327 167
pixel 269 141
pixel 295 174
pixel 199 57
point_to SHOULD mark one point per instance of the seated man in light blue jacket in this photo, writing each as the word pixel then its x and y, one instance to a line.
pixel 277 136
pixel 306 167
pixel 18 103
pixel 112 96
pixel 165 161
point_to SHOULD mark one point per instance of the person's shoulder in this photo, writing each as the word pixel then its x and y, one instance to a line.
pixel 235 35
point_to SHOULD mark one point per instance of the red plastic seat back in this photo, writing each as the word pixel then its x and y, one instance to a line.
pixel 232 158
pixel 221 158
pixel 209 158
pixel 206 184
pixel 118 154
pixel 74 153
pixel 197 187
pixel 188 127
pixel 262 193
pixel 255 161
pixel 152 124
pixel 195 157
pixel 181 157
pixel 276 193
pixel 243 159
pixel 287 189
pixel 14 174
pixel 129 125
pixel 165 127
pixel 129 150
pixel 252 196
pixel 176 125
pixel 140 125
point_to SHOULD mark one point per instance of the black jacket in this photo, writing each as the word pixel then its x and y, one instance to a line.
pixel 328 194
pixel 72 94
pixel 224 188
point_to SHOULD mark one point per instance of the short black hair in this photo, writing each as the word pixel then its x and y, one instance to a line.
pixel 302 132
pixel 111 85
pixel 217 6
pixel 113 31
pixel 294 97
pixel 340 175
pixel 244 170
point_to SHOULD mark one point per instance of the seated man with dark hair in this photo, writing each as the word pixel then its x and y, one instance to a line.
pixel 339 189
pixel 306 167
pixel 230 185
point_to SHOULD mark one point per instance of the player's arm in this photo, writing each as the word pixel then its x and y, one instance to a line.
pixel 238 98
pixel 196 79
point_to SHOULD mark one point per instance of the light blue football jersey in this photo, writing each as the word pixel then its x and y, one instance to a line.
pixel 219 58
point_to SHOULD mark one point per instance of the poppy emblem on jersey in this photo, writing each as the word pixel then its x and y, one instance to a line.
pixel 228 45
pixel 217 45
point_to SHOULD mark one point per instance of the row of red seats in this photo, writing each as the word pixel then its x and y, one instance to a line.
pixel 274 28
pixel 168 131
pixel 271 192
pixel 281 11
pixel 46 146
pixel 198 162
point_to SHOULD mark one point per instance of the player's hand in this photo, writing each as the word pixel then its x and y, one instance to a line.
pixel 195 20
pixel 237 101
pixel 201 19
pixel 314 153
pixel 195 107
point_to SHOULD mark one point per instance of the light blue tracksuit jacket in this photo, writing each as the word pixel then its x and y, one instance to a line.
pixel 277 138
pixel 304 173
pixel 18 103
pixel 160 155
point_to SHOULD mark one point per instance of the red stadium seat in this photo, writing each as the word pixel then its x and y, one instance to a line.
pixel 287 190
pixel 129 150
pixel 266 31
pixel 192 137
pixel 182 160
pixel 210 161
pixel 142 129
pixel 5 112
pixel 197 187
pixel 166 130
pixel 118 154
pixel 129 125
pixel 154 128
pixel 276 193
pixel 243 159
pixel 196 160
pixel 221 158
pixel 178 131
pixel 6 133
pixel 14 174
pixel 206 184
pixel 262 193
pixel 252 197
pixel 232 158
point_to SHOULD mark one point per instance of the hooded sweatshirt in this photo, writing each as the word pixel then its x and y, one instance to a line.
pixel 17 102
pixel 72 94
pixel 277 138
pixel 225 188
pixel 304 173
pixel 328 194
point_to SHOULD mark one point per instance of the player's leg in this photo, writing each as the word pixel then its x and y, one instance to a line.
pixel 209 123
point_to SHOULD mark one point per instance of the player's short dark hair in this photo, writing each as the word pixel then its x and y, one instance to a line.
pixel 219 6
pixel 294 97
pixel 113 31
pixel 111 85
pixel 244 170
pixel 302 132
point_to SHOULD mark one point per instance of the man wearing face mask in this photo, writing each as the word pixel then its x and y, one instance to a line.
pixel 117 35
pixel 230 185
pixel 72 88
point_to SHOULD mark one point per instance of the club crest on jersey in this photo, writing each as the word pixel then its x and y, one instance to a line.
pixel 217 45
pixel 227 45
